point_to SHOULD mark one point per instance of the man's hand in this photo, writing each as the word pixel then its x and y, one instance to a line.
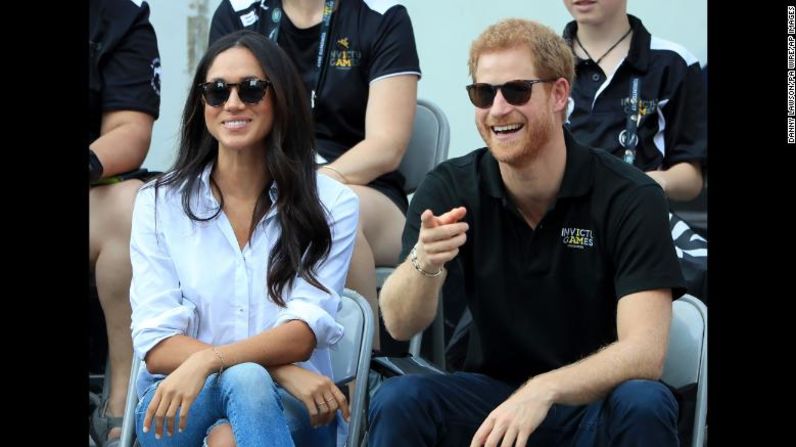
pixel 440 238
pixel 514 420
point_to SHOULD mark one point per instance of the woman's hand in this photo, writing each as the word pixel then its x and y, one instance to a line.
pixel 178 391
pixel 318 393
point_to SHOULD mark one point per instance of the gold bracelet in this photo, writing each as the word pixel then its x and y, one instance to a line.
pixel 416 264
pixel 345 179
pixel 220 358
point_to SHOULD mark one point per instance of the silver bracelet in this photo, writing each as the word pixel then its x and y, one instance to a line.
pixel 416 264
pixel 220 358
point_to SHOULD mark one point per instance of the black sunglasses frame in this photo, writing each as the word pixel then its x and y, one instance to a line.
pixel 516 93
pixel 250 91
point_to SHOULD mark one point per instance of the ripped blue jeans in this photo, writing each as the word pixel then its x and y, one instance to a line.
pixel 245 396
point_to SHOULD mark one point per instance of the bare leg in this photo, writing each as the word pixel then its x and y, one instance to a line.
pixel 362 277
pixel 110 219
pixel 221 436
pixel 382 223
pixel 378 243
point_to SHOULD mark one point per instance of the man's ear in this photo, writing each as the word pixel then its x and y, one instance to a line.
pixel 559 94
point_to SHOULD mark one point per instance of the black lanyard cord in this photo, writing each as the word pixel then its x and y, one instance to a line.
pixel 326 25
pixel 633 120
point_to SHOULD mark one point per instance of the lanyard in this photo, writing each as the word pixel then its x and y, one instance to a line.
pixel 326 21
pixel 633 119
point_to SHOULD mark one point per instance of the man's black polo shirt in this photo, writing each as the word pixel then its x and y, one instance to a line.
pixel 673 126
pixel 545 298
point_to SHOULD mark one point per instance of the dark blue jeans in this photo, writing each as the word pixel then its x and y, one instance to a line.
pixel 447 409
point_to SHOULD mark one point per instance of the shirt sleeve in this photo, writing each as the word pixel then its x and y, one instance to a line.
pixel 159 309
pixel 225 20
pixel 315 307
pixel 685 117
pixel 642 246
pixel 131 74
pixel 394 50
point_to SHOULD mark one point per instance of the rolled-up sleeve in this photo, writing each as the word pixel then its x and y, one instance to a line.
pixel 312 305
pixel 159 310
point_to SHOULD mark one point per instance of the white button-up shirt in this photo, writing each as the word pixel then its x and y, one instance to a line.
pixel 191 278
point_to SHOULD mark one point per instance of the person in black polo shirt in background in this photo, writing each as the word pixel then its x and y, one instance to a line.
pixel 567 265
pixel 124 101
pixel 359 63
pixel 642 99
pixel 661 129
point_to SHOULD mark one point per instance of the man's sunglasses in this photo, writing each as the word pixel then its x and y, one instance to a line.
pixel 516 92
pixel 250 91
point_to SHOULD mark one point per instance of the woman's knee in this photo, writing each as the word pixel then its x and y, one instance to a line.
pixel 376 211
pixel 111 211
pixel 247 375
pixel 123 200
pixel 221 435
pixel 248 382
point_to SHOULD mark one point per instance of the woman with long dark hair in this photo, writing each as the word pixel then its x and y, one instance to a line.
pixel 239 254
pixel 358 61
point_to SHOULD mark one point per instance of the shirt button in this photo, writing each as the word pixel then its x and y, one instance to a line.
pixel 595 77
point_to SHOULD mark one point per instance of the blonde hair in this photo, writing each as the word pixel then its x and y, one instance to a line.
pixel 552 57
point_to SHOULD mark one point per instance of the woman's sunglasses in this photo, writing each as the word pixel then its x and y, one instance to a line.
pixel 516 92
pixel 250 91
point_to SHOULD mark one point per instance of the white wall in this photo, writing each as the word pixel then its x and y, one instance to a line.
pixel 176 22
pixel 444 30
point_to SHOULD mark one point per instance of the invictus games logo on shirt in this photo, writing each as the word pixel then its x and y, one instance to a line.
pixel 342 57
pixel 155 81
pixel 577 237
pixel 645 107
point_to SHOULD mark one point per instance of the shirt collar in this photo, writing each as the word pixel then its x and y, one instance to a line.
pixel 206 192
pixel 578 172
pixel 637 56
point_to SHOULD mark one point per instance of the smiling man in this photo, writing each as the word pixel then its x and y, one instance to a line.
pixel 566 260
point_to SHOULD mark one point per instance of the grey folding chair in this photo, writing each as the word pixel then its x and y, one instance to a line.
pixel 687 357
pixel 427 148
pixel 428 145
pixel 350 360
pixel 128 425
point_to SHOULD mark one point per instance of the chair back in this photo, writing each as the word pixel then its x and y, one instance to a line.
pixel 428 145
pixel 687 355
pixel 351 358
pixel 128 423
